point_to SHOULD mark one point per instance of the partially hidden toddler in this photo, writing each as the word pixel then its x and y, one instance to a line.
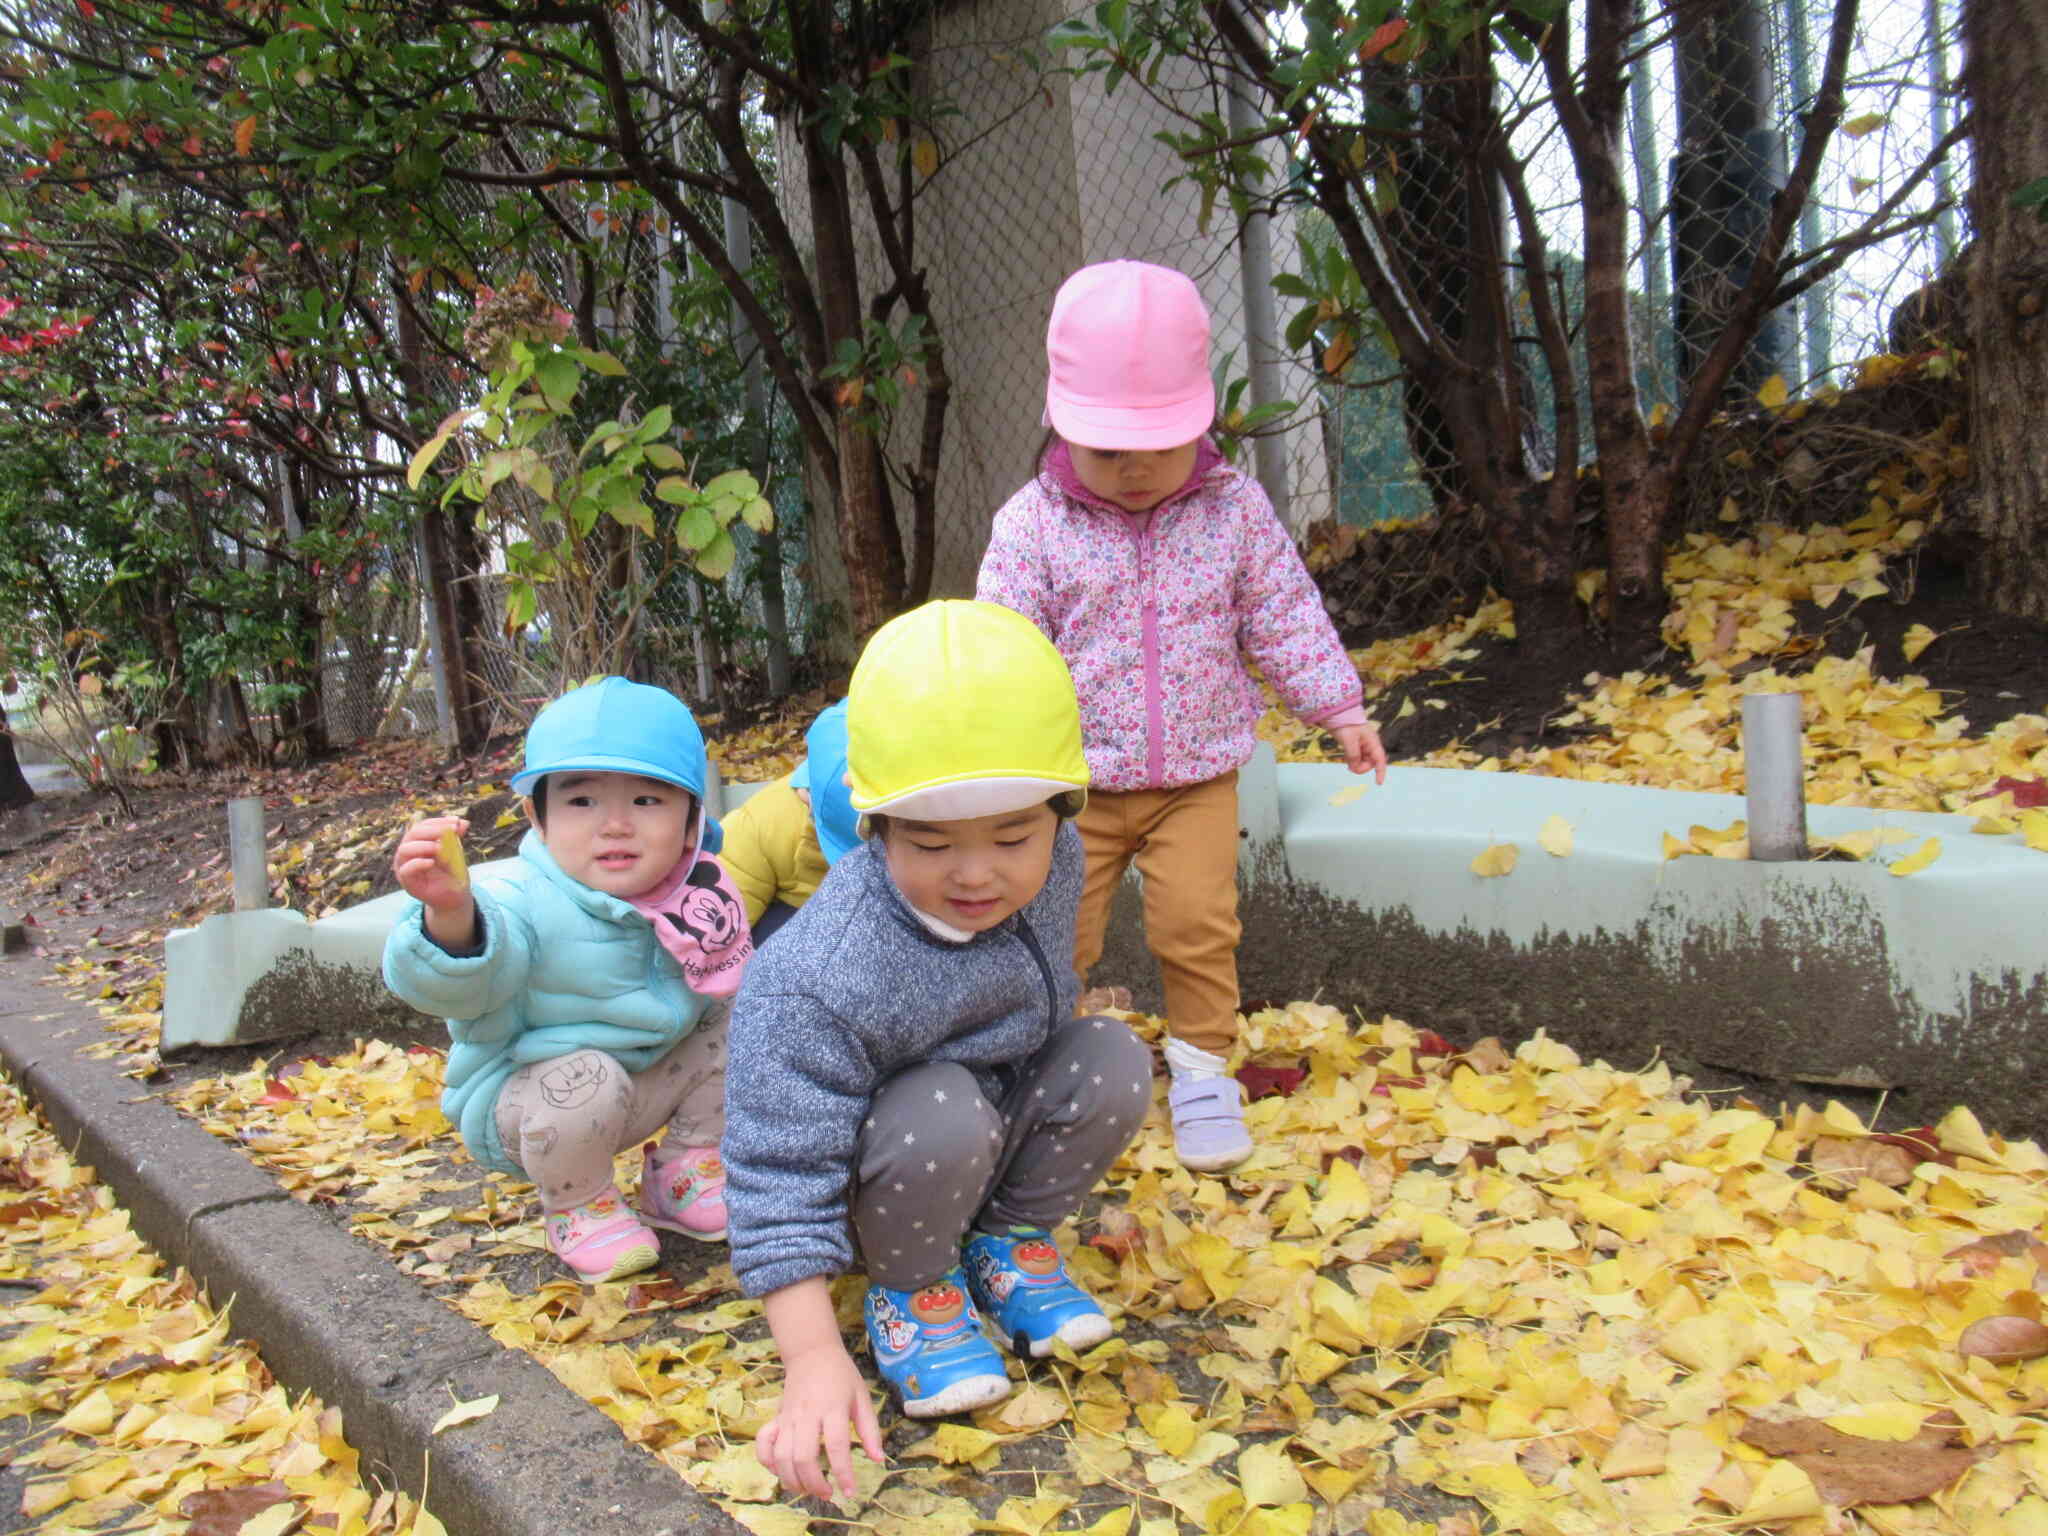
pixel 1155 566
pixel 588 995
pixel 910 1092
pixel 782 838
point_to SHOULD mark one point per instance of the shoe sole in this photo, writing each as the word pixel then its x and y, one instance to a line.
pixel 1077 1333
pixel 1215 1162
pixel 961 1397
pixel 690 1232
pixel 631 1262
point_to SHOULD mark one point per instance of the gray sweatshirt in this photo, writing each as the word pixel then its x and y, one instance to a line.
pixel 854 989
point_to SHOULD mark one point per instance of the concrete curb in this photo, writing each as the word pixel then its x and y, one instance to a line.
pixel 333 1316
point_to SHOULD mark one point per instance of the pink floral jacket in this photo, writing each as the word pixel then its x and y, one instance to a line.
pixel 1151 611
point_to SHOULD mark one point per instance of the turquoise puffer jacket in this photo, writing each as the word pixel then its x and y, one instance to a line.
pixel 564 968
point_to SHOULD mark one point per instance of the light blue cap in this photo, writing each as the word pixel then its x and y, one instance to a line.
pixel 823 773
pixel 616 725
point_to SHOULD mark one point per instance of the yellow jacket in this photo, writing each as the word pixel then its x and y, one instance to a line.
pixel 771 849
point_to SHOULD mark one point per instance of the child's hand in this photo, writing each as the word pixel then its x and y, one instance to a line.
pixel 444 892
pixel 1363 751
pixel 823 1392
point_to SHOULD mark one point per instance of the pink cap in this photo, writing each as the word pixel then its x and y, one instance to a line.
pixel 1128 358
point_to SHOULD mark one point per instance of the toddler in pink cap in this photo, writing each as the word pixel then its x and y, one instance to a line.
pixel 1152 564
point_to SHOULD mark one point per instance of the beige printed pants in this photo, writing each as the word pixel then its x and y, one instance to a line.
pixel 565 1119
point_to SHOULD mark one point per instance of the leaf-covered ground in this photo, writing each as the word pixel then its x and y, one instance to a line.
pixel 125 1405
pixel 1493 1288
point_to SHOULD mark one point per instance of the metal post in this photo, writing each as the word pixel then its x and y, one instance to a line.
pixel 245 854
pixel 1261 326
pixel 437 658
pixel 1816 323
pixel 1775 768
pixel 1937 130
pixel 1656 281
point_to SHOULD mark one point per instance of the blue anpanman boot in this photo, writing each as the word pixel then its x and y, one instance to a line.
pixel 1021 1284
pixel 930 1349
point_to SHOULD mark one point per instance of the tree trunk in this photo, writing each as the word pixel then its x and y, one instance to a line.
pixel 1730 162
pixel 2005 71
pixel 14 786
pixel 874 582
pixel 452 561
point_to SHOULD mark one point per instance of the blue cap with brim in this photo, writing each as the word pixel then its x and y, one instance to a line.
pixel 824 775
pixel 615 725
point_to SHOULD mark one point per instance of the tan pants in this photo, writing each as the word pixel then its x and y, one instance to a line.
pixel 1185 844
pixel 563 1120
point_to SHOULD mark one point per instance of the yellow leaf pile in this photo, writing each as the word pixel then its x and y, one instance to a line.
pixel 1451 1292
pixel 156 1420
pixel 1886 743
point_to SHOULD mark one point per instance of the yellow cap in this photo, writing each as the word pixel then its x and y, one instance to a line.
pixel 961 709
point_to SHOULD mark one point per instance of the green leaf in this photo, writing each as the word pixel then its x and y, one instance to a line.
pixel 733 484
pixel 521 604
pixel 758 514
pixel 635 514
pixel 696 528
pixel 661 456
pixel 558 377
pixel 601 362
pixel 675 490
pixel 654 424
pixel 716 559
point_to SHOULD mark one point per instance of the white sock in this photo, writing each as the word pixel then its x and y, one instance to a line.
pixel 1190 1063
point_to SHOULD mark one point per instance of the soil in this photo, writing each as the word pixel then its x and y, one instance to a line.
pixel 1988 666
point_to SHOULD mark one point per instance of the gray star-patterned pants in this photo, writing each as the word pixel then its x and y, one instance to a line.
pixel 936 1158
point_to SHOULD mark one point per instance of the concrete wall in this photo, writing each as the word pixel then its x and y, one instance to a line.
pixel 1931 986
pixel 1042 174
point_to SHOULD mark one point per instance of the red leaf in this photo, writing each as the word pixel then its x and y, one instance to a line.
pixel 1429 1043
pixel 1922 1142
pixel 28 1210
pixel 2027 794
pixel 278 1093
pixel 1384 36
pixel 224 1511
pixel 1269 1082
pixel 1117 1234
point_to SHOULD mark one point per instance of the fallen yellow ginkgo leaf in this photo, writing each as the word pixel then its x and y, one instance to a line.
pixel 462 1413
pixel 1556 837
pixel 1348 793
pixel 1497 860
pixel 1918 859
pixel 1915 640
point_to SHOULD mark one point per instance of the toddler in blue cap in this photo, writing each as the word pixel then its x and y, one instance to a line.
pixel 587 995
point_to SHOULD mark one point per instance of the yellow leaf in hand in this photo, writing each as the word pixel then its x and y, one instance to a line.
pixel 475 1408
pixel 452 859
pixel 1497 860
pixel 1918 859
pixel 1556 837
pixel 1916 640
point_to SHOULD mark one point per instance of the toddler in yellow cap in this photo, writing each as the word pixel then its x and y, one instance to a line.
pixel 909 1092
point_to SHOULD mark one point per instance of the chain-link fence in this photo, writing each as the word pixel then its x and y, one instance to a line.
pixel 1041 171
pixel 1044 172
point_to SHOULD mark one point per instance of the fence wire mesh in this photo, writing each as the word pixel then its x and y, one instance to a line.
pixel 1041 171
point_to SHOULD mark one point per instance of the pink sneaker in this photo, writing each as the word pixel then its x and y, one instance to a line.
pixel 685 1194
pixel 602 1240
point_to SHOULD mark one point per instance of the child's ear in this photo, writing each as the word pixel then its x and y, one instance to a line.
pixel 526 809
